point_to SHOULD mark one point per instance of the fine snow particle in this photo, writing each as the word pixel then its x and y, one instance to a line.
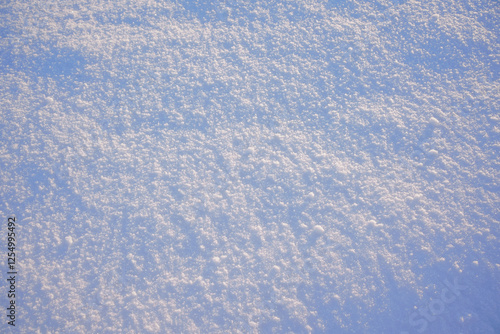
pixel 318 229
pixel 433 153
pixel 434 121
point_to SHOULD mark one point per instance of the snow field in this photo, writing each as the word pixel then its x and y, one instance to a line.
pixel 302 167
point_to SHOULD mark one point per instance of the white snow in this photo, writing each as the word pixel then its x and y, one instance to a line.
pixel 69 240
pixel 434 121
pixel 251 166
pixel 318 229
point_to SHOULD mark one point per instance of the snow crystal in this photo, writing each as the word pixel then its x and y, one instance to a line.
pixel 318 229
pixel 69 240
pixel 434 121
pixel 433 153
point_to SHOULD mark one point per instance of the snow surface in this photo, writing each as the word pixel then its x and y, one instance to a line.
pixel 293 166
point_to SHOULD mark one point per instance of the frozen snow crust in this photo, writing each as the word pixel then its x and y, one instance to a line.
pixel 251 166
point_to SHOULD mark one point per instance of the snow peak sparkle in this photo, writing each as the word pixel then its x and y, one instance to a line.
pixel 11 273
